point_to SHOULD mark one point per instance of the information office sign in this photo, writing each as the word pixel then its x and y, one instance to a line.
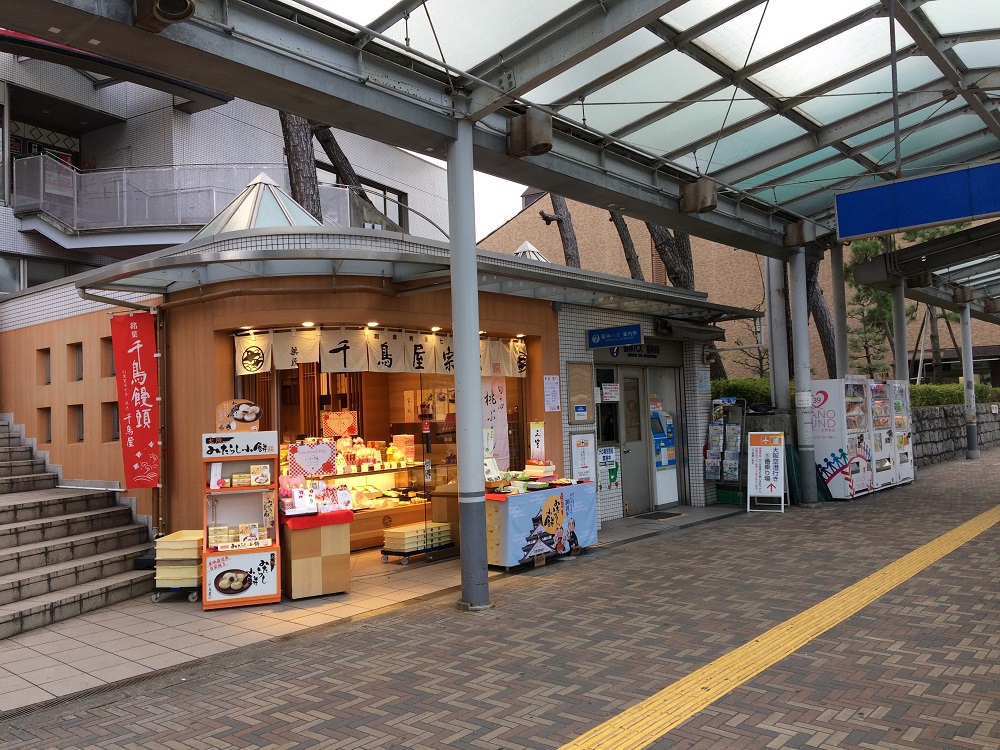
pixel 598 338
pixel 766 468
pixel 133 341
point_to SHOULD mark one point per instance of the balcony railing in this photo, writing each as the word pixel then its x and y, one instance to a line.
pixel 145 197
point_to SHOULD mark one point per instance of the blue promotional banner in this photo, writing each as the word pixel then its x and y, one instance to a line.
pixel 598 338
pixel 545 523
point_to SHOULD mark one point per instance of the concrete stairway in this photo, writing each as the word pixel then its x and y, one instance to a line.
pixel 63 551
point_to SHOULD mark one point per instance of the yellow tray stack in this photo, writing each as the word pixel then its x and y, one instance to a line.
pixel 178 562
pixel 417 537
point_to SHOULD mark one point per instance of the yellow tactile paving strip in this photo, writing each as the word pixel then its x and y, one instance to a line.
pixel 652 718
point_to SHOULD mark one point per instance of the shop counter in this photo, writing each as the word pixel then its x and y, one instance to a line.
pixel 316 554
pixel 543 523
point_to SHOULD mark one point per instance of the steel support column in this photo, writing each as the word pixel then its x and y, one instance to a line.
pixel 900 355
pixel 971 423
pixel 803 377
pixel 465 329
pixel 839 309
pixel 777 327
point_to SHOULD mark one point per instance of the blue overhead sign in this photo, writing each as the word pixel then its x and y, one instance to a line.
pixel 945 198
pixel 598 338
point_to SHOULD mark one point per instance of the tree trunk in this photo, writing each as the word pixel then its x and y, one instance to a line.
pixel 935 346
pixel 301 163
pixel 338 159
pixel 675 252
pixel 821 316
pixel 561 217
pixel 631 256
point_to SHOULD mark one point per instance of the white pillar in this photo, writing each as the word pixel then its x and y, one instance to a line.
pixel 777 332
pixel 465 328
pixel 803 376
pixel 899 351
pixel 839 309
pixel 971 424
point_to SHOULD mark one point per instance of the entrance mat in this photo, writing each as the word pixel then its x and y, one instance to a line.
pixel 658 515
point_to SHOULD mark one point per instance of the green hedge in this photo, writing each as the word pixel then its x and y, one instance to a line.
pixel 758 391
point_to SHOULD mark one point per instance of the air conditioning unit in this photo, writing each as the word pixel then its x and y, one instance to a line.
pixel 700 196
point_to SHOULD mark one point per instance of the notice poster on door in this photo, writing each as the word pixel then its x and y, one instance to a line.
pixel 552 402
pixel 608 468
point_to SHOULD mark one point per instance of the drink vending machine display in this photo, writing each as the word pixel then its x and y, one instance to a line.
pixel 842 435
pixel 883 451
pixel 901 429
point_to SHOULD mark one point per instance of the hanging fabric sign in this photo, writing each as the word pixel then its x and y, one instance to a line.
pixel 253 353
pixel 518 358
pixel 419 348
pixel 484 358
pixel 444 356
pixel 343 350
pixel 499 358
pixel 385 351
pixel 291 347
pixel 494 401
pixel 133 341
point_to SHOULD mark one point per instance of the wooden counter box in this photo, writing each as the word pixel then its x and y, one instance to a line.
pixel 315 561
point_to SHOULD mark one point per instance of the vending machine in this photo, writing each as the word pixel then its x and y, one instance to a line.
pixel 842 436
pixel 883 450
pixel 902 430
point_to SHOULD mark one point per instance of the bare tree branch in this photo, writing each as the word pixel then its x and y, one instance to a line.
pixel 571 250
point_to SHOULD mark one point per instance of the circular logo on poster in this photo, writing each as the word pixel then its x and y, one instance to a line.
pixel 595 339
pixel 614 351
pixel 253 358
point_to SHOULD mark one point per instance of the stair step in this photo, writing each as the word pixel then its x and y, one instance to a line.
pixel 46 609
pixel 16 453
pixel 22 468
pixel 30 556
pixel 28 482
pixel 49 578
pixel 10 440
pixel 56 501
pixel 70 524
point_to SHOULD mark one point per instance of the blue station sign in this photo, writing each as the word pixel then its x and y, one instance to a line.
pixel 599 338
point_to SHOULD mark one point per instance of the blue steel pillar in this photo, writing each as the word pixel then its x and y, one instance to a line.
pixel 468 388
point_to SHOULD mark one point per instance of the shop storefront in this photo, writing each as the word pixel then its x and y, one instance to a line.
pixel 338 343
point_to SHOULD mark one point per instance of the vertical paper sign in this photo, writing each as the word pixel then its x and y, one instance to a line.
pixel 584 460
pixel 133 340
pixel 494 401
pixel 537 441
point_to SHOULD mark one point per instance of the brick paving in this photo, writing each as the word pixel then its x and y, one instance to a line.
pixel 573 643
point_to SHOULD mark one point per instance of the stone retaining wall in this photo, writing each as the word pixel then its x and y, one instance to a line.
pixel 939 432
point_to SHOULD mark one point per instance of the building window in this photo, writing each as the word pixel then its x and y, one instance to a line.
pixel 74 361
pixel 107 358
pixel 74 426
pixel 43 366
pixel 109 422
pixel 45 425
pixel 10 274
pixel 390 202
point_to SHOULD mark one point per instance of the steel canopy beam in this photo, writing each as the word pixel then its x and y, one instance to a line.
pixel 564 42
pixel 317 72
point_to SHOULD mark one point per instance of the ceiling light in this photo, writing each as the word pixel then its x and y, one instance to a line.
pixel 435 329
pixel 55 29
pixel 308 324
pixel 95 42
pixel 246 328
pixel 482 332
pixel 372 324
pixel 520 335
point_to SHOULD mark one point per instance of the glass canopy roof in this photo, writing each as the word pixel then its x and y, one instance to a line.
pixel 786 101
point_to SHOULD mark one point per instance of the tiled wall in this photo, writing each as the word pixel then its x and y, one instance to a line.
pixel 53 301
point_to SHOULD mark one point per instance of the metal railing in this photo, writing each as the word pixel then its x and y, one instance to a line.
pixel 144 197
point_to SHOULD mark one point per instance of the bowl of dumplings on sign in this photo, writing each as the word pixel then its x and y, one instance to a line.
pixel 233 581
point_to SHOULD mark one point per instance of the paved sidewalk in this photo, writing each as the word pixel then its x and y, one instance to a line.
pixel 571 644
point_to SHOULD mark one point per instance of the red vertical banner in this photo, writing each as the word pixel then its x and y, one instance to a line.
pixel 133 339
